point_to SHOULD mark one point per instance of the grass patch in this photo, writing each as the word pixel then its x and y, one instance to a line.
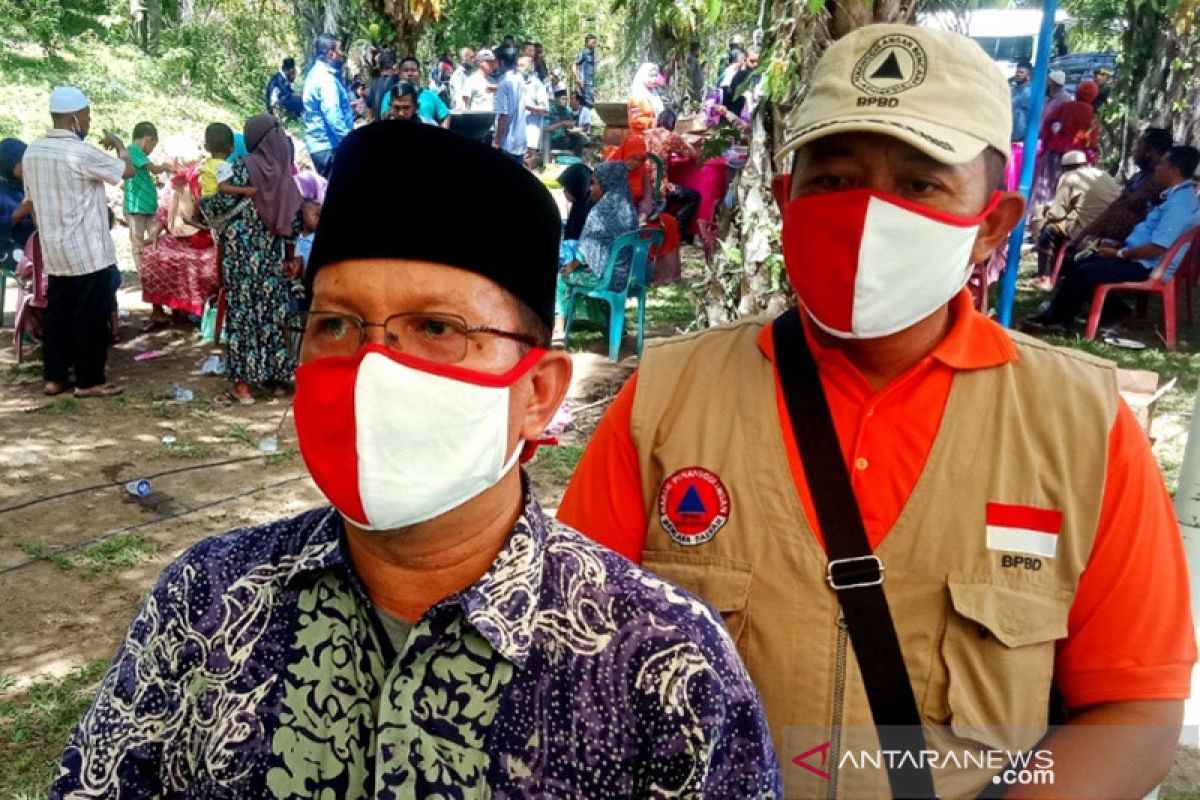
pixel 39 550
pixel 557 463
pixel 28 369
pixel 100 558
pixel 63 405
pixel 670 307
pixel 161 410
pixel 116 553
pixel 282 457
pixel 187 449
pixel 35 725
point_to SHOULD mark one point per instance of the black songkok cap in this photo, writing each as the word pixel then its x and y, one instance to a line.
pixel 395 192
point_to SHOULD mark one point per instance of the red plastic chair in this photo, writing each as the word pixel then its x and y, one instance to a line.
pixel 31 294
pixel 1154 284
pixel 1058 262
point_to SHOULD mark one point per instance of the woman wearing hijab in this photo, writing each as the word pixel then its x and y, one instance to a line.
pixel 576 183
pixel 650 207
pixel 257 261
pixel 645 104
pixel 16 213
pixel 612 215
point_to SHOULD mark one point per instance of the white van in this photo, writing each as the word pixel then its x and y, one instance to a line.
pixel 1008 35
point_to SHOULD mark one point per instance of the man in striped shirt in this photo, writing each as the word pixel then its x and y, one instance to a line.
pixel 65 177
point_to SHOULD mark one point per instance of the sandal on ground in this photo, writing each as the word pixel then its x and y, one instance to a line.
pixel 53 388
pixel 102 390
pixel 228 398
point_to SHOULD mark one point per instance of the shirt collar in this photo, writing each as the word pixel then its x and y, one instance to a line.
pixel 974 341
pixel 502 605
pixel 60 133
pixel 1168 192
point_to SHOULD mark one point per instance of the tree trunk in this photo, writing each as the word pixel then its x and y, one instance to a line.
pixel 747 276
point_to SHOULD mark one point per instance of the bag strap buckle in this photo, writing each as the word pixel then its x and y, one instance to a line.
pixel 854 573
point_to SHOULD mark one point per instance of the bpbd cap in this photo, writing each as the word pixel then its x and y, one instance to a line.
pixel 935 90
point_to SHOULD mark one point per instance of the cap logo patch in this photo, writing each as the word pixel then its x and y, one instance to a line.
pixel 893 64
pixel 693 504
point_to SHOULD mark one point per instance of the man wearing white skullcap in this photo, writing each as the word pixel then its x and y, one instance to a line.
pixel 65 177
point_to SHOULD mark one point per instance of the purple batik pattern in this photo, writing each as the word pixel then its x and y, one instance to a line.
pixel 257 668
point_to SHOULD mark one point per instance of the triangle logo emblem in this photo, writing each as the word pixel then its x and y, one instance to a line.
pixel 889 69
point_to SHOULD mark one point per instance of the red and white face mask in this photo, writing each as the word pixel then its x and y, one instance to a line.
pixel 866 264
pixel 393 440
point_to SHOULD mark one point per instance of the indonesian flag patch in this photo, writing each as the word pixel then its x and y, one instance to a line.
pixel 1023 529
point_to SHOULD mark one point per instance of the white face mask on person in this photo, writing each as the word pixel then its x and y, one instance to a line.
pixel 393 440
pixel 866 264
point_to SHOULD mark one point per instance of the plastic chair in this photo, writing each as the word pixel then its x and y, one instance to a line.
pixel 637 244
pixel 660 172
pixel 31 294
pixel 1167 290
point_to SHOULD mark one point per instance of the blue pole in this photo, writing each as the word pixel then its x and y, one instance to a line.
pixel 1008 283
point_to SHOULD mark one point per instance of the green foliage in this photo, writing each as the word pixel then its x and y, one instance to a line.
pixel 557 463
pixel 52 22
pixel 35 725
pixel 228 48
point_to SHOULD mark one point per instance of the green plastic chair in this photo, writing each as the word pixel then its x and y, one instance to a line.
pixel 660 172
pixel 638 244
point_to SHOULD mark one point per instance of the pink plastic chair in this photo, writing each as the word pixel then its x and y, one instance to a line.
pixel 31 295
pixel 1154 284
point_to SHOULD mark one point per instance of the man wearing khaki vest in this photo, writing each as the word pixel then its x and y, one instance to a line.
pixel 1032 561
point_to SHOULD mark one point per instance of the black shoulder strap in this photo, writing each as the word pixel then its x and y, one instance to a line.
pixel 854 572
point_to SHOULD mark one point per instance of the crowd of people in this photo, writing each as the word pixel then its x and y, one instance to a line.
pixel 236 224
pixel 1088 227
pixel 222 231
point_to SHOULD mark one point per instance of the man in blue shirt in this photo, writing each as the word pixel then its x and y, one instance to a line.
pixel 1177 213
pixel 281 97
pixel 430 108
pixel 434 633
pixel 510 108
pixel 1020 101
pixel 328 117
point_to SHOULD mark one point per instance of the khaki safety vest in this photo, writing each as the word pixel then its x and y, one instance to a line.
pixel 977 626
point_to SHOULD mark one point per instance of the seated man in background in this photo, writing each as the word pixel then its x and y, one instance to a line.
pixel 1060 218
pixel 1121 215
pixel 1178 212
pixel 433 633
pixel 564 123
pixel 282 100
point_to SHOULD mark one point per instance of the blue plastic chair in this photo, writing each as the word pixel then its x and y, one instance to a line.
pixel 637 244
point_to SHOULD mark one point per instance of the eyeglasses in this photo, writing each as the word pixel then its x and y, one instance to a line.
pixel 441 338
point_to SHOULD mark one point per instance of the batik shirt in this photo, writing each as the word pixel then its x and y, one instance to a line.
pixel 257 669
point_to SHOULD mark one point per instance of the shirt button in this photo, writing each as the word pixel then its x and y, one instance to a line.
pixel 860 464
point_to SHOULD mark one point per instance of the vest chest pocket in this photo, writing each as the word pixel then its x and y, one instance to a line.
pixel 723 583
pixel 997 665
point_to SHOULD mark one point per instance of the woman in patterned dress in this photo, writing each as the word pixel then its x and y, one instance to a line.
pixel 257 259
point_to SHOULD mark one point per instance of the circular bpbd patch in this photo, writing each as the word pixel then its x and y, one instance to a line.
pixel 894 64
pixel 693 504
